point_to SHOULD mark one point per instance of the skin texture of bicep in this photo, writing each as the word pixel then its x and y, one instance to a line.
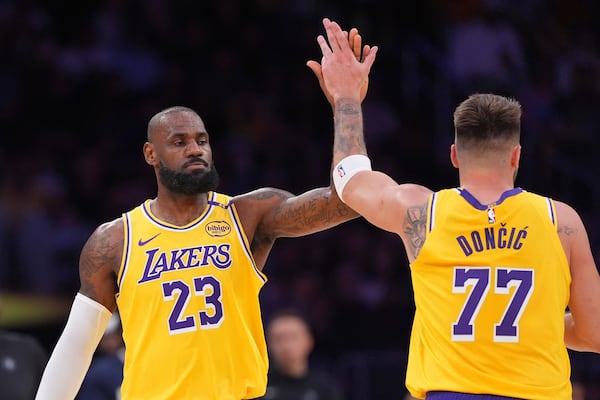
pixel 310 212
pixel 99 261
pixel 582 328
pixel 401 209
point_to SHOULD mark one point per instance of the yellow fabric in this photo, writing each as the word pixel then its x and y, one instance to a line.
pixel 502 250
pixel 188 300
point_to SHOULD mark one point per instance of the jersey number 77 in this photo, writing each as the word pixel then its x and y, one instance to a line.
pixel 478 278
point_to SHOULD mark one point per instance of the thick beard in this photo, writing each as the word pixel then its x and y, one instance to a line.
pixel 189 184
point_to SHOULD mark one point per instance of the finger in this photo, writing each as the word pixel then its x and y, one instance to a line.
pixel 366 50
pixel 323 45
pixel 352 36
pixel 341 39
pixel 356 47
pixel 315 67
pixel 370 58
pixel 334 33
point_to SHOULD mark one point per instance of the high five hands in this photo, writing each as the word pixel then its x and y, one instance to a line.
pixel 345 63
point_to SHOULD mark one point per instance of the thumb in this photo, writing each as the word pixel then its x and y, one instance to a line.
pixel 315 67
pixel 370 58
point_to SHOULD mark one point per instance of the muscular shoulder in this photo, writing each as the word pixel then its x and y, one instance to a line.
pixel 101 254
pixel 571 230
pixel 107 237
pixel 568 219
pixel 252 206
pixel 264 197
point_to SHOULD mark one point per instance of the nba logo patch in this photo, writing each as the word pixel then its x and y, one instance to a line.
pixel 491 214
pixel 340 171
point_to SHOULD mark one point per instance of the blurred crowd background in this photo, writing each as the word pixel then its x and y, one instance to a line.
pixel 80 80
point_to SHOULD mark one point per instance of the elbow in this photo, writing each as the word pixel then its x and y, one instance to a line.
pixel 588 343
pixel 594 344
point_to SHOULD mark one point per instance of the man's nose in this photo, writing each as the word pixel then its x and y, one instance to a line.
pixel 193 149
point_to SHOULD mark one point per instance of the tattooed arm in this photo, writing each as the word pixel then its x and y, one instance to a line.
pixel 267 214
pixel 89 315
pixel 99 263
pixel 582 323
pixel 374 195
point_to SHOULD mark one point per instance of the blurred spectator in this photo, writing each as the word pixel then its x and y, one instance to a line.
pixel 291 376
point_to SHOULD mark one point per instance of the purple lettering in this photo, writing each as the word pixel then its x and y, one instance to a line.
pixel 159 262
pixel 510 239
pixel 521 235
pixel 501 238
pixel 153 270
pixel 476 241
pixel 464 245
pixel 490 239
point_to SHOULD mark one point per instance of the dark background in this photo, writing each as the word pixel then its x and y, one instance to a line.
pixel 80 80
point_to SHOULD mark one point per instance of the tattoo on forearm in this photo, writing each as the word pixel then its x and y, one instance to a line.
pixel 305 214
pixel 414 227
pixel 347 106
pixel 316 211
pixel 348 127
pixel 268 194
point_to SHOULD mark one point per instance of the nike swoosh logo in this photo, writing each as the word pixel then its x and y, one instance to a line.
pixel 145 242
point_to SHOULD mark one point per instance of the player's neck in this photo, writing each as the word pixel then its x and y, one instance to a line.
pixel 178 209
pixel 486 188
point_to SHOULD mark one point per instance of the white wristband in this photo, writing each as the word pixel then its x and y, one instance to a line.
pixel 347 168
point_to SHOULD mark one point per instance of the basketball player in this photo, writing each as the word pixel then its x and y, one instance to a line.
pixel 493 266
pixel 185 271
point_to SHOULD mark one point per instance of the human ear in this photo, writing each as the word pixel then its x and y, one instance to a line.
pixel 149 153
pixel 453 156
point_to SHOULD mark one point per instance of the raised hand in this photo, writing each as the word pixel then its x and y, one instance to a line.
pixel 344 71
pixel 360 53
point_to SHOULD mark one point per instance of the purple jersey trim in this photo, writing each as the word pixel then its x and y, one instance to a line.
pixel 475 203
pixel 238 228
pixel 148 214
pixel 551 211
pixel 126 249
pixel 464 396
pixel 432 211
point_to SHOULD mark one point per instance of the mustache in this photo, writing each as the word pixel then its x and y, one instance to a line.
pixel 196 160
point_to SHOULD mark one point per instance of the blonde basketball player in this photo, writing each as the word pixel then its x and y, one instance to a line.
pixel 493 266
pixel 185 271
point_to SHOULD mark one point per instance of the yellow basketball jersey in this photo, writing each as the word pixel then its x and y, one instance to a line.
pixel 188 298
pixel 491 287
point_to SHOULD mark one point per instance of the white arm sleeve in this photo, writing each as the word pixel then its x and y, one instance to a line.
pixel 73 353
